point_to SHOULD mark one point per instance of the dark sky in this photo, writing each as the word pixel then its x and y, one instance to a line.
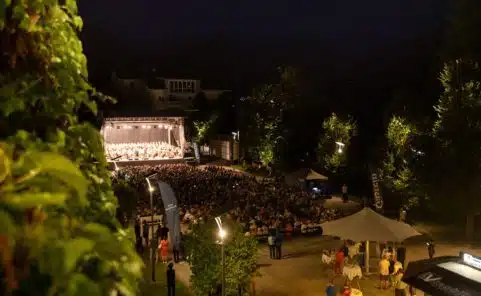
pixel 352 24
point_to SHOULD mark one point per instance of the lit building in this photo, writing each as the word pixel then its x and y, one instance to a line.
pixel 166 93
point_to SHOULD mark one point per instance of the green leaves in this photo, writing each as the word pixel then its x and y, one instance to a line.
pixel 61 168
pixel 7 225
pixel 335 130
pixel 30 200
pixel 80 285
pixel 56 202
pixel 5 164
pixel 74 250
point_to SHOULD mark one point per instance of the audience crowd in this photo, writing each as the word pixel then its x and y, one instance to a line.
pixel 142 151
pixel 258 205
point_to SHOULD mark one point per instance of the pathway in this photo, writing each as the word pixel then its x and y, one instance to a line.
pixel 301 272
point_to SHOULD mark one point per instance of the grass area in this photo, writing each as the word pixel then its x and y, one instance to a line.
pixel 159 287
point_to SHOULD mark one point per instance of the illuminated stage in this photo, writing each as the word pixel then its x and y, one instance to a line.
pixel 141 140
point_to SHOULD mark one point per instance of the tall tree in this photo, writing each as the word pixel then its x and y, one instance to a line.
pixel 273 107
pixel 398 167
pixel 335 140
pixel 458 136
pixel 59 232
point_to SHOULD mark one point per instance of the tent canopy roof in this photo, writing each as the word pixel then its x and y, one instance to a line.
pixel 309 174
pixel 369 225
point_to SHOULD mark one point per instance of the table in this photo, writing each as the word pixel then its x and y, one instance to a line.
pixel 356 292
pixel 327 259
pixel 352 271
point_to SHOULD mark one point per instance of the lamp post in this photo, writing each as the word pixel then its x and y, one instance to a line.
pixel 340 147
pixel 222 234
pixel 152 243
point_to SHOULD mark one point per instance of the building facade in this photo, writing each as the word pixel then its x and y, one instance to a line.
pixel 165 93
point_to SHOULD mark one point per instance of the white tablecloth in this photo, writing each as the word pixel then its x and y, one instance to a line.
pixel 356 292
pixel 352 271
pixel 327 259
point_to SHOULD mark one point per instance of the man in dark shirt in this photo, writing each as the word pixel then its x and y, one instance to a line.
pixel 145 232
pixel 164 232
pixel 171 280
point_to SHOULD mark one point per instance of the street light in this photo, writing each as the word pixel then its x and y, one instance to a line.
pixel 222 235
pixel 152 247
pixel 340 147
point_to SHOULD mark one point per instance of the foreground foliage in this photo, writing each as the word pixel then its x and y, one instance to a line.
pixel 205 259
pixel 58 234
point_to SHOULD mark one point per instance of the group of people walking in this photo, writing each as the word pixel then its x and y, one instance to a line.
pixel 275 240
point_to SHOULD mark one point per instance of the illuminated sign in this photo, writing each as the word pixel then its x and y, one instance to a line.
pixel 378 201
pixel 471 260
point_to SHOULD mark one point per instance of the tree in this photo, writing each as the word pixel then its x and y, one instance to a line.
pixel 397 169
pixel 127 197
pixel 269 112
pixel 205 258
pixel 203 128
pixel 335 130
pixel 457 132
pixel 59 233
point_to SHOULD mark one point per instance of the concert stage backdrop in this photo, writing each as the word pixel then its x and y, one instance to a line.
pixel 143 132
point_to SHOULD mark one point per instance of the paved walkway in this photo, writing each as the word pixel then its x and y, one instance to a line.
pixel 301 272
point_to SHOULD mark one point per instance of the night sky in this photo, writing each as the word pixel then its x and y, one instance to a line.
pixel 247 40
pixel 351 23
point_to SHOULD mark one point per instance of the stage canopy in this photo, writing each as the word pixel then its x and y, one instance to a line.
pixel 313 175
pixel 143 138
pixel 304 174
pixel 444 276
pixel 368 225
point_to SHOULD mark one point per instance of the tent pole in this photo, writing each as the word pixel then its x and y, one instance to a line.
pixel 366 257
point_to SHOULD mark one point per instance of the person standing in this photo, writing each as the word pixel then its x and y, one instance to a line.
pixel 384 272
pixel 138 237
pixel 271 241
pixel 164 250
pixel 431 249
pixel 181 247
pixel 170 280
pixel 164 232
pixel 403 215
pixel 145 233
pixel 400 288
pixel 344 193
pixel 175 250
pixel 278 244
pixel 339 262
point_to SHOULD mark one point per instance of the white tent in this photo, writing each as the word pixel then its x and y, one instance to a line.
pixel 313 175
pixel 368 225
